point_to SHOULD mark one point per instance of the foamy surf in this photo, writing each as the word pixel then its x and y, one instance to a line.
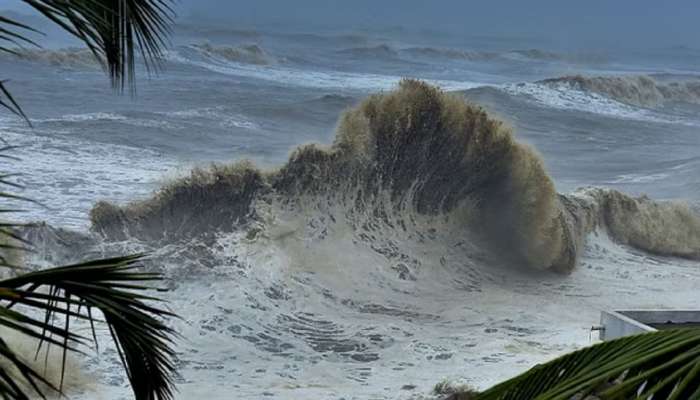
pixel 572 98
pixel 640 90
pixel 390 260
pixel 308 78
pixel 632 97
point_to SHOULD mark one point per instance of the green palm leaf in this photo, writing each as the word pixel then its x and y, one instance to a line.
pixel 114 30
pixel 661 365
pixel 8 102
pixel 116 288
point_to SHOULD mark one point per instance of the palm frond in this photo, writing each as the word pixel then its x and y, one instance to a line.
pixel 116 288
pixel 11 243
pixel 9 387
pixel 13 33
pixel 661 365
pixel 115 30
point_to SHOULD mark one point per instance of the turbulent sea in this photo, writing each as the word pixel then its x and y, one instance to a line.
pixel 371 265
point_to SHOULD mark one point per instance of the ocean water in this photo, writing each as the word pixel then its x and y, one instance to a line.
pixel 312 298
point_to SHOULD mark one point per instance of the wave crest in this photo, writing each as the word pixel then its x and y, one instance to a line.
pixel 248 54
pixel 641 90
pixel 511 55
pixel 414 152
pixel 451 54
pixel 387 52
pixel 666 228
pixel 209 200
pixel 66 58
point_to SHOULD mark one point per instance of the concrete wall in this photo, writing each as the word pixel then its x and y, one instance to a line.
pixel 616 324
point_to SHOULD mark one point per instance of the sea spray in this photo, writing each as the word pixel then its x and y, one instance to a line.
pixel 220 198
pixel 667 228
pixel 413 153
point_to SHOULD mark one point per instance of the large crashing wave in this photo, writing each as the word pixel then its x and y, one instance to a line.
pixel 415 153
pixel 641 90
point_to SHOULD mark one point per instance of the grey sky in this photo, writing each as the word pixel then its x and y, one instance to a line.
pixel 588 24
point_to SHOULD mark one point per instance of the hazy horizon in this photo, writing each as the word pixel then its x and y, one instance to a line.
pixel 595 24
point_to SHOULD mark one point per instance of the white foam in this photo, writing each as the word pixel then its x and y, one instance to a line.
pixel 639 178
pixel 558 97
pixel 308 78
pixel 69 175
pixel 97 116
pixel 470 322
pixel 566 98
pixel 217 114
pixel 108 117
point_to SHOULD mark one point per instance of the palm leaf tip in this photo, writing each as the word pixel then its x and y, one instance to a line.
pixel 143 341
pixel 9 103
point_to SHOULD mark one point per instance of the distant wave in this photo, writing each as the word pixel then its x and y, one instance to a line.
pixel 642 90
pixel 330 39
pixel 386 51
pixel 511 55
pixel 249 54
pixel 452 54
pixel 76 58
pixel 625 102
pixel 537 54
pixel 406 163
pixel 284 74
pixel 564 97
pixel 379 51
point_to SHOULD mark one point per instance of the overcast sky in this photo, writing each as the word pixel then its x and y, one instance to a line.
pixel 642 22
pixel 580 23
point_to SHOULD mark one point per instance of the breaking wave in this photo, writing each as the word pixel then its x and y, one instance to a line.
pixel 418 161
pixel 450 54
pixel 537 54
pixel 385 51
pixel 75 58
pixel 642 90
pixel 511 55
pixel 248 54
